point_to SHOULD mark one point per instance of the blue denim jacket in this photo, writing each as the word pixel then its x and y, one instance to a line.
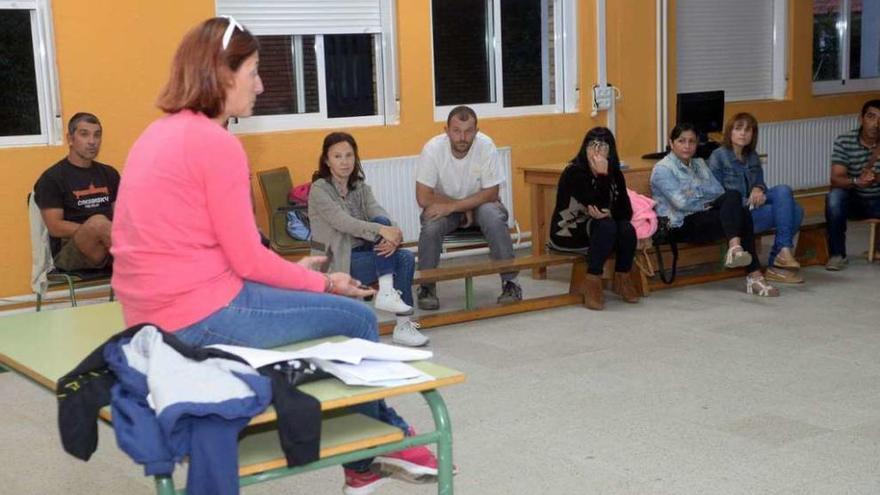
pixel 735 175
pixel 680 190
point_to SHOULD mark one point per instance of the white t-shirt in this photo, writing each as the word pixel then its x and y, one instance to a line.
pixel 458 179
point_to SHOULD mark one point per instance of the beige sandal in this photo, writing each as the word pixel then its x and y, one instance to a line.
pixel 737 257
pixel 758 286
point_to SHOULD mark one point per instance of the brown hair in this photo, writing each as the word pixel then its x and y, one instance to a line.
pixel 323 171
pixel 202 69
pixel 462 113
pixel 751 122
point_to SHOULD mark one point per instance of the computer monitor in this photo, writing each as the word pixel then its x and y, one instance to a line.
pixel 705 110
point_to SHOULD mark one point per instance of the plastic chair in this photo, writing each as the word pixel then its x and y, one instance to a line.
pixel 275 185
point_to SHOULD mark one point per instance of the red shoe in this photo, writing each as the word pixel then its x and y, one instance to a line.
pixel 361 483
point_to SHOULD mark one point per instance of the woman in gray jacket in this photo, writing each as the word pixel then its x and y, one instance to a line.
pixel 357 235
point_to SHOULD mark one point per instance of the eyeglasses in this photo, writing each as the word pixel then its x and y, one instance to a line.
pixel 227 35
pixel 600 146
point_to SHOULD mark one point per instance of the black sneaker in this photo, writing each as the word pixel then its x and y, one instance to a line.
pixel 427 298
pixel 510 292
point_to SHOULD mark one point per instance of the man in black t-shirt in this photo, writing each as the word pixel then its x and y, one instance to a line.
pixel 76 197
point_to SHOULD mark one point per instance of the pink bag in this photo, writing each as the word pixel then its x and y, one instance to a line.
pixel 299 195
pixel 644 218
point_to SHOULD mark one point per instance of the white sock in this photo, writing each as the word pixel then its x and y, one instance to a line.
pixel 401 320
pixel 386 282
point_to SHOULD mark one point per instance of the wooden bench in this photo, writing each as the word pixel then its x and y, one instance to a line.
pixel 44 346
pixel 471 270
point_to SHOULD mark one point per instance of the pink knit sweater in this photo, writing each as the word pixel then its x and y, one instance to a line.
pixel 184 236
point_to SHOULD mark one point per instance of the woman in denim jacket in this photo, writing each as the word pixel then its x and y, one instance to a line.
pixel 737 166
pixel 699 210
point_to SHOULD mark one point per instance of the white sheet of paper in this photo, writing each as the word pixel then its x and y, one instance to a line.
pixel 351 351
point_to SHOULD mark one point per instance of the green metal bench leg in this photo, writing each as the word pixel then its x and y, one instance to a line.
pixel 111 294
pixel 469 293
pixel 444 441
pixel 72 292
pixel 39 301
pixel 165 485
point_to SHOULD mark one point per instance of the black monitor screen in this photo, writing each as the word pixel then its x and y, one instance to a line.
pixel 705 110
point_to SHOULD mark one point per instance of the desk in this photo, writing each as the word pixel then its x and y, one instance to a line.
pixel 542 181
pixel 44 346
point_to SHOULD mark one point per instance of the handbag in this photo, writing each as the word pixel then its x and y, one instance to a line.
pixel 298 225
pixel 665 235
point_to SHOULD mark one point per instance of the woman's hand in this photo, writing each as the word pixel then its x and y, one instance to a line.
pixel 598 158
pixel 757 198
pixel 597 213
pixel 385 248
pixel 313 262
pixel 391 234
pixel 342 284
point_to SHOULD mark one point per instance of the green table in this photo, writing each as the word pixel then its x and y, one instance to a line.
pixel 44 346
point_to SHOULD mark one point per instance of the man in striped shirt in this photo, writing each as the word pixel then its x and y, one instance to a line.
pixel 855 181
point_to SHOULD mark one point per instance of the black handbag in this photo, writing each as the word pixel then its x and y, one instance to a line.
pixel 665 235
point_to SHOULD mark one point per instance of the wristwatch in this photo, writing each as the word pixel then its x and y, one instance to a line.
pixel 853 180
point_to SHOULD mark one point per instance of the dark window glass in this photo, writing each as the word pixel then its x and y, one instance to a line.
pixel 826 43
pixel 19 105
pixel 350 74
pixel 279 74
pixel 461 52
pixel 521 22
pixel 279 79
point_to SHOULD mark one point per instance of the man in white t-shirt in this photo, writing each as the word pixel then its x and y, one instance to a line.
pixel 457 186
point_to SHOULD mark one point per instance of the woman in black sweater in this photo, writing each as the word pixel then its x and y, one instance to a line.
pixel 593 211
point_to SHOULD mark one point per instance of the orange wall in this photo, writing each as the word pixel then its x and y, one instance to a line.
pixel 113 58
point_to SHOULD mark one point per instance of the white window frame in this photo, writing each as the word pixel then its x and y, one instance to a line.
pixel 387 92
pixel 51 132
pixel 565 61
pixel 845 84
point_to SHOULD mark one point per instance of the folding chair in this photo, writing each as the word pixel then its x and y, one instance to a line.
pixel 44 274
pixel 275 185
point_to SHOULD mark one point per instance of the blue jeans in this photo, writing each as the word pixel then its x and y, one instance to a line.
pixel 264 317
pixel 781 212
pixel 842 205
pixel 367 266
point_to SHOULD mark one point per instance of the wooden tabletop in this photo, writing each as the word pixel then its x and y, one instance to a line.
pixel 45 346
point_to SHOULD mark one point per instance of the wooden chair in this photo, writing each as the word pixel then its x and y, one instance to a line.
pixel 275 185
pixel 872 237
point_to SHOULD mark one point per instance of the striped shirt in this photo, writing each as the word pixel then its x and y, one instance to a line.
pixel 852 154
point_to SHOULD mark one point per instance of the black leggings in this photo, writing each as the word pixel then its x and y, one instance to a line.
pixel 606 236
pixel 727 218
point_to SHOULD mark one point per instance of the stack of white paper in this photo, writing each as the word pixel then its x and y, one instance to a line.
pixel 354 361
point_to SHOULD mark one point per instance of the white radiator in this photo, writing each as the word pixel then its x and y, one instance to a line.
pixel 799 151
pixel 394 185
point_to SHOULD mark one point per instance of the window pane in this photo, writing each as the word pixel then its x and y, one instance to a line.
pixel 525 52
pixel 279 79
pixel 19 105
pixel 461 52
pixel 349 62
pixel 282 93
pixel 864 39
pixel 827 21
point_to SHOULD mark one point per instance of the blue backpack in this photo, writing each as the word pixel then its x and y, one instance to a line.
pixel 298 224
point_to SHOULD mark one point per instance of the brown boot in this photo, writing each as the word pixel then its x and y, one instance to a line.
pixel 594 298
pixel 624 287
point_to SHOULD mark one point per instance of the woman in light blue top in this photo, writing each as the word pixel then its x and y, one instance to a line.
pixel 699 210
pixel 736 165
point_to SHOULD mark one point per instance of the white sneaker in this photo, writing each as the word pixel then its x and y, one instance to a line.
pixel 408 334
pixel 389 300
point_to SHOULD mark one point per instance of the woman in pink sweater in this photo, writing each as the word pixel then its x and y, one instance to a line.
pixel 187 254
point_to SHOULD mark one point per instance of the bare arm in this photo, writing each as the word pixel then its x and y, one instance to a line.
pixel 57 225
pixel 427 197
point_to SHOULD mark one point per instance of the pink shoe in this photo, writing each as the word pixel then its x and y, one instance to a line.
pixel 361 483
pixel 415 464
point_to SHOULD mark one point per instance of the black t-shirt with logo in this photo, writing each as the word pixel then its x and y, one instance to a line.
pixel 80 192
